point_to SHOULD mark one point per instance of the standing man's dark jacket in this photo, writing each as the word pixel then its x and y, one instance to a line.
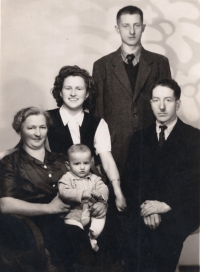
pixel 126 110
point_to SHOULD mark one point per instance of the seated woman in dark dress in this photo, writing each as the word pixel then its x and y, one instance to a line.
pixel 28 191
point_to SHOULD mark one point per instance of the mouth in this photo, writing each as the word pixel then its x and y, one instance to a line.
pixel 73 99
pixel 162 114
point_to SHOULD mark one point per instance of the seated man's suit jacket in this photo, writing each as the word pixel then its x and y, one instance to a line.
pixel 126 110
pixel 170 175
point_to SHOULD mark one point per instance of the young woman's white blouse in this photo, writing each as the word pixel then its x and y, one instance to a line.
pixel 102 141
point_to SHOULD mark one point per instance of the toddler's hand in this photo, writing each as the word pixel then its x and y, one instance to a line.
pixel 97 195
pixel 86 194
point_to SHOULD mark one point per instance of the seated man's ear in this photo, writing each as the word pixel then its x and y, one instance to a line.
pixel 67 165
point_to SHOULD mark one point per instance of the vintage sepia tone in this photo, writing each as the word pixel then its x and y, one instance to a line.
pixel 41 36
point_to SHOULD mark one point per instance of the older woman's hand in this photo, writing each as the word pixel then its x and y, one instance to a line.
pixel 99 210
pixel 56 206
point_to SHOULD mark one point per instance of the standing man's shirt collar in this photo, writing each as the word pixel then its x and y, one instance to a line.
pixel 137 54
pixel 169 129
pixel 65 116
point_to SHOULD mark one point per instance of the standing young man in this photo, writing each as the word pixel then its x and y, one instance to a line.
pixel 123 81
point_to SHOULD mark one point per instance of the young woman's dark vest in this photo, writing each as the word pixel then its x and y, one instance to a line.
pixel 59 135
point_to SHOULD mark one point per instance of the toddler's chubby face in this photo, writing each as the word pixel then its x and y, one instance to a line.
pixel 80 163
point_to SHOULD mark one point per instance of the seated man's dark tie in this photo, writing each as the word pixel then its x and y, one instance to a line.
pixel 162 135
pixel 130 58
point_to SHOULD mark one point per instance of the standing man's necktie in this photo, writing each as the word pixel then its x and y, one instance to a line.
pixel 162 135
pixel 130 58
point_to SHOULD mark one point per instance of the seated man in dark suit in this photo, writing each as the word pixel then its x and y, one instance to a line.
pixel 162 171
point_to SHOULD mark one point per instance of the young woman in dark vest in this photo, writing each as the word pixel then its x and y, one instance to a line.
pixel 74 93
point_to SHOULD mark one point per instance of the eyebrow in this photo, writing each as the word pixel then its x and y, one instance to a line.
pixel 164 97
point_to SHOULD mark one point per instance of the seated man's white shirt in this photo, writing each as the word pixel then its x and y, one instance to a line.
pixel 168 130
pixel 102 141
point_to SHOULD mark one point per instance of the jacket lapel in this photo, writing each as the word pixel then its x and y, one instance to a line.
pixel 143 72
pixel 119 70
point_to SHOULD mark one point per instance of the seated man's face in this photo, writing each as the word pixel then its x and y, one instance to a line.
pixel 164 104
pixel 80 163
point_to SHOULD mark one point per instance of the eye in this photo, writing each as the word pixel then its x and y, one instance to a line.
pixel 67 88
pixel 44 127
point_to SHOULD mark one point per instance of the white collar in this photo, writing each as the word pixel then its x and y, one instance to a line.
pixel 65 116
pixel 170 126
pixel 137 54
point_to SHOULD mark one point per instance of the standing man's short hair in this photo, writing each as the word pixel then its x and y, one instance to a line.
pixel 170 83
pixel 129 10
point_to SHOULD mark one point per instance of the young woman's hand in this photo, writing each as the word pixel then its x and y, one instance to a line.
pixel 120 202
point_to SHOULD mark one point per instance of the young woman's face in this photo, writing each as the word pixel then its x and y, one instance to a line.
pixel 74 93
pixel 34 132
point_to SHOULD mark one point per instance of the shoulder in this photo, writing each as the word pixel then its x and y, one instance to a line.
pixel 153 56
pixel 92 118
pixel 56 156
pixel 13 157
pixel 188 129
pixel 145 131
pixel 105 59
pixel 53 112
pixel 66 177
pixel 95 178
pixel 11 162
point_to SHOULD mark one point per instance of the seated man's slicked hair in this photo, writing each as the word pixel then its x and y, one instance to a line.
pixel 129 10
pixel 78 148
pixel 170 83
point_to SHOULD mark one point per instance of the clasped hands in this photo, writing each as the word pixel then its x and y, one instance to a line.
pixel 151 210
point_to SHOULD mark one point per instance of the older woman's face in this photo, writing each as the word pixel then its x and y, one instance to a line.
pixel 34 132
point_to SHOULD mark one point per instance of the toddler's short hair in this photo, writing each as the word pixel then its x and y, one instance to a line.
pixel 78 148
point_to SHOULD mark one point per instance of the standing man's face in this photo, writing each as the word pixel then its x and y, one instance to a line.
pixel 164 104
pixel 130 28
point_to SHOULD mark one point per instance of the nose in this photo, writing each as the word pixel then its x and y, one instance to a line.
pixel 162 105
pixel 73 92
pixel 37 131
pixel 82 166
pixel 132 30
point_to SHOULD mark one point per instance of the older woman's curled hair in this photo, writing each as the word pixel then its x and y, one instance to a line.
pixel 67 71
pixel 24 113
